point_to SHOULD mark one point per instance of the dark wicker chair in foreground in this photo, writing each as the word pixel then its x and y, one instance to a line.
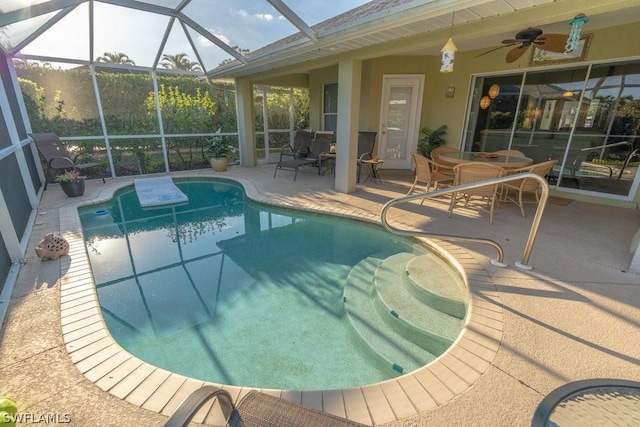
pixel 255 410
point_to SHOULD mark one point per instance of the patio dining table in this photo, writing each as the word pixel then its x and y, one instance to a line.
pixel 507 161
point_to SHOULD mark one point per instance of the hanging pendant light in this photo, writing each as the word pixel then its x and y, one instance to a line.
pixel 574 35
pixel 485 101
pixel 448 52
pixel 494 91
pixel 448 56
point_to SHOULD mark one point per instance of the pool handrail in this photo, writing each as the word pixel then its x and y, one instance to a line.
pixel 192 403
pixel 499 260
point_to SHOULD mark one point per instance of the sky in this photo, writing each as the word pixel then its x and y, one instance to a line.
pixel 248 24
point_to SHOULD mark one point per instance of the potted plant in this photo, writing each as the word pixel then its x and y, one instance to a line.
pixel 218 152
pixel 432 138
pixel 72 183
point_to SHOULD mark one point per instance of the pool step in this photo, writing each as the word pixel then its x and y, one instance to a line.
pixel 416 320
pixel 393 349
pixel 440 288
pixel 398 320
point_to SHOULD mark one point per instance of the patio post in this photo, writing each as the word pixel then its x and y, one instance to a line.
pixel 349 83
pixel 246 132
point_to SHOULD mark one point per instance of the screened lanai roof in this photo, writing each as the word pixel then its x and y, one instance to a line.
pixel 208 32
pixel 228 38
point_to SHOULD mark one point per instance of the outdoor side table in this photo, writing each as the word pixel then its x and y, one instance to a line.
pixel 373 164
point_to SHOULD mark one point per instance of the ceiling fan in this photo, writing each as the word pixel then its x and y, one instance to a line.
pixel 525 38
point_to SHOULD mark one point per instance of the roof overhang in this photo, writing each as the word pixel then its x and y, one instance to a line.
pixel 421 28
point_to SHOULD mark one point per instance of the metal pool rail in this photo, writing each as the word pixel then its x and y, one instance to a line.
pixel 498 261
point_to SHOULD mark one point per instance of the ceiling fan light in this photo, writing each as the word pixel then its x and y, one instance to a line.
pixel 485 101
pixel 448 56
pixel 494 91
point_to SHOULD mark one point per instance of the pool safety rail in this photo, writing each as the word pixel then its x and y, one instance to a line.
pixel 499 260
pixel 189 406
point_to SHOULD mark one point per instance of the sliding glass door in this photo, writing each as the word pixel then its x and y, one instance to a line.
pixel 585 118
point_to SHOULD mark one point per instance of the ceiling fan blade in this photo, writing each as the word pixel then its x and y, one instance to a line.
pixel 514 41
pixel 516 53
pixel 489 51
pixel 552 42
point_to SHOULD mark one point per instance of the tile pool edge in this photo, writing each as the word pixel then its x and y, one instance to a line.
pixel 104 362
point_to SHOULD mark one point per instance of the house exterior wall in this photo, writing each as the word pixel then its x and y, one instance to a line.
pixel 609 43
pixel 318 78
pixel 613 43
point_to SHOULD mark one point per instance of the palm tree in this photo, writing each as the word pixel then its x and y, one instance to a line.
pixel 179 61
pixel 116 58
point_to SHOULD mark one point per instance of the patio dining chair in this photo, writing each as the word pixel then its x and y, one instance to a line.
pixel 466 173
pixel 442 165
pixel 57 158
pixel 366 144
pixel 526 185
pixel 427 174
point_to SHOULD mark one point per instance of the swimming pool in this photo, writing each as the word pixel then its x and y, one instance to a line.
pixel 231 291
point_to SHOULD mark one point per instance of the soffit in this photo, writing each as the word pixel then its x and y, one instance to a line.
pixel 421 28
pixel 373 25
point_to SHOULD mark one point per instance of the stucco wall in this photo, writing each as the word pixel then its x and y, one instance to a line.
pixel 438 109
pixel 609 43
pixel 317 79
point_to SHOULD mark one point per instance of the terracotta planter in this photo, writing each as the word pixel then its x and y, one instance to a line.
pixel 219 164
pixel 73 189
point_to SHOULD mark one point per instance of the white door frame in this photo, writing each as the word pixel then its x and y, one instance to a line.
pixel 415 81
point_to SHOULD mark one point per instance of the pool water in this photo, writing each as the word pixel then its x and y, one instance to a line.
pixel 230 291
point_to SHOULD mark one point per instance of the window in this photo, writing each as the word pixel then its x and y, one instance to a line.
pixel 586 118
pixel 330 107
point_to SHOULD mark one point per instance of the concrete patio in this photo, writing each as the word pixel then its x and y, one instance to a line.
pixel 574 316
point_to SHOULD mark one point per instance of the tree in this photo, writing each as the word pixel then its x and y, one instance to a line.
pixel 179 61
pixel 115 58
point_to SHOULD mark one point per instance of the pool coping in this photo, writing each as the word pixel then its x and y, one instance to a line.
pixel 111 368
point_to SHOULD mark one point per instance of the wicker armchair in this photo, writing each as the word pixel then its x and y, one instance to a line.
pixel 442 165
pixel 466 173
pixel 525 185
pixel 427 174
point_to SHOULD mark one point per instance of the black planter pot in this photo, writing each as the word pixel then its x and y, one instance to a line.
pixel 73 189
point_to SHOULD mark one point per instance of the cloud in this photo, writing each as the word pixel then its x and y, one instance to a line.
pixel 222 37
pixel 205 42
pixel 265 16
